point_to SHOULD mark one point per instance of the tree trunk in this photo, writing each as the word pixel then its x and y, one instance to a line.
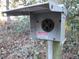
pixel 24 2
pixel 7 8
pixel 7 4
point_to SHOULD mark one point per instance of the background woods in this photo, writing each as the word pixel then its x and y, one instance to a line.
pixel 15 42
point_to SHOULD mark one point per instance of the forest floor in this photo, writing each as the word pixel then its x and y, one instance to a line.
pixel 19 45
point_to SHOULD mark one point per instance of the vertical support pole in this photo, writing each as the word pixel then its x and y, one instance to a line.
pixel 50 50
pixel 54 50
pixel 57 50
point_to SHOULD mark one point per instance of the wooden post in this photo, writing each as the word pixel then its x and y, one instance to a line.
pixel 57 53
pixel 54 50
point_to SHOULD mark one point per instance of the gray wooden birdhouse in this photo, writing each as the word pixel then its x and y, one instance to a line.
pixel 46 20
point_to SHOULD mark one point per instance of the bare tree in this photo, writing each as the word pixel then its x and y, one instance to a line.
pixel 7 8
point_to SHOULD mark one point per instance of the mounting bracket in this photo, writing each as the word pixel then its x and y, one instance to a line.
pixel 54 5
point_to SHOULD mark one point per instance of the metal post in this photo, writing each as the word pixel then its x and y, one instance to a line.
pixel 50 50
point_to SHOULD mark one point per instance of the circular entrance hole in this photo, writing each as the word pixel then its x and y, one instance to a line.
pixel 47 25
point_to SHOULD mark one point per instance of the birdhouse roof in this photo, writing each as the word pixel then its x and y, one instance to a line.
pixel 27 10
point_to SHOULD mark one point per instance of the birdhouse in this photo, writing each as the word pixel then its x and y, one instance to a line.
pixel 46 20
